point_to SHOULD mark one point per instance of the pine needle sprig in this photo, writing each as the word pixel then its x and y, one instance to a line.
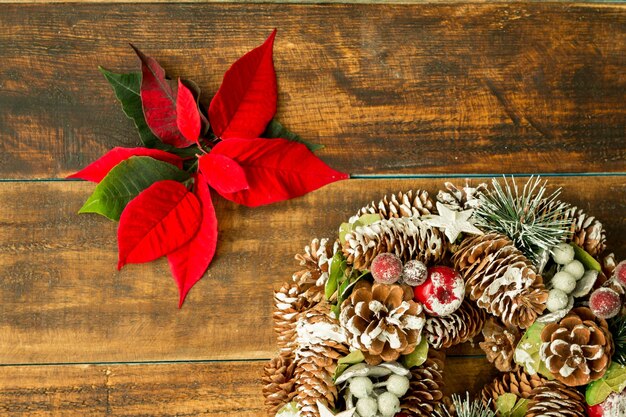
pixel 534 222
pixel 464 407
pixel 618 330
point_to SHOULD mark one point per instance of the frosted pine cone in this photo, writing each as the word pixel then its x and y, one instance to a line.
pixel 577 349
pixel 501 279
pixel 517 382
pixel 556 399
pixel 382 320
pixel 499 344
pixel 315 262
pixel 425 392
pixel 407 237
pixel 278 383
pixel 410 204
pixel 289 302
pixel 459 327
pixel 461 198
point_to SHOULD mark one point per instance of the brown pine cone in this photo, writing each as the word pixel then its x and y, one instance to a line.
pixel 499 344
pixel 413 203
pixel 289 302
pixel 461 198
pixel 407 237
pixel 501 279
pixel 315 262
pixel 426 387
pixel 278 382
pixel 459 327
pixel 382 320
pixel 555 399
pixel 517 382
pixel 577 349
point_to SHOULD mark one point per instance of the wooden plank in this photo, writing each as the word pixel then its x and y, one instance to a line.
pixel 63 300
pixel 464 88
pixel 182 389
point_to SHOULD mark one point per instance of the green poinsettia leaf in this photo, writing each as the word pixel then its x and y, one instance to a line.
pixel 588 261
pixel 527 351
pixel 614 380
pixel 125 181
pixel 344 363
pixel 276 130
pixel 418 356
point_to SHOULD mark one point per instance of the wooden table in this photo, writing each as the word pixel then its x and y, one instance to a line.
pixel 403 96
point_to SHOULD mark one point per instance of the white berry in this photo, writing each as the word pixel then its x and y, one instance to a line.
pixel 562 253
pixel 564 281
pixel 575 268
pixel 361 387
pixel 367 407
pixel 398 385
pixel 557 300
pixel 388 404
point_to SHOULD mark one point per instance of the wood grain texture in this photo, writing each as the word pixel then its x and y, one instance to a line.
pixel 480 88
pixel 63 301
pixel 166 390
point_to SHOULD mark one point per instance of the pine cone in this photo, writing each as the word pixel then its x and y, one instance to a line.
pixel 320 345
pixel 461 198
pixel 315 262
pixel 278 383
pixel 382 320
pixel 407 237
pixel 459 327
pixel 425 392
pixel 501 279
pixel 499 344
pixel 289 302
pixel 410 204
pixel 555 399
pixel 577 349
pixel 517 382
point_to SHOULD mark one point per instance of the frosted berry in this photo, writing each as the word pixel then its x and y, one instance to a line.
pixel 620 273
pixel 575 269
pixel 386 268
pixel 563 253
pixel 557 300
pixel 398 385
pixel 388 404
pixel 443 291
pixel 367 407
pixel 361 387
pixel 595 410
pixel 414 273
pixel 564 281
pixel 605 303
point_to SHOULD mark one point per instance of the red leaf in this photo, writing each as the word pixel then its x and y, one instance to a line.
pixel 246 100
pixel 276 169
pixel 222 173
pixel 99 169
pixel 158 98
pixel 158 221
pixel 187 113
pixel 189 263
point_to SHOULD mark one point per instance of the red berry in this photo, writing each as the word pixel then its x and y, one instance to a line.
pixel 443 291
pixel 620 273
pixel 605 303
pixel 595 410
pixel 414 273
pixel 386 268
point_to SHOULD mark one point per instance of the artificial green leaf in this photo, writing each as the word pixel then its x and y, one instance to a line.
pixel 418 356
pixel 337 270
pixel 614 380
pixel 125 181
pixel 509 405
pixel 344 363
pixel 367 219
pixel 276 130
pixel 520 408
pixel 588 261
pixel 344 229
pixel 527 351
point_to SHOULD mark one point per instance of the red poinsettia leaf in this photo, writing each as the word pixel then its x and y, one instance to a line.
pixel 158 99
pixel 97 170
pixel 189 262
pixel 276 169
pixel 187 113
pixel 158 221
pixel 246 100
pixel 223 173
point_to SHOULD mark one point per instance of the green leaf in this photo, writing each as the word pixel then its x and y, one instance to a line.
pixel 509 405
pixel 276 130
pixel 588 261
pixel 289 410
pixel 337 270
pixel 418 356
pixel 344 229
pixel 125 181
pixel 614 380
pixel 527 351
pixel 367 219
pixel 344 363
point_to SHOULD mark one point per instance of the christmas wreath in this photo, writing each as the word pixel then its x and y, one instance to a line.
pixel 364 325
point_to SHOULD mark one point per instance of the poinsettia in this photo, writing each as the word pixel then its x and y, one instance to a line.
pixel 160 193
